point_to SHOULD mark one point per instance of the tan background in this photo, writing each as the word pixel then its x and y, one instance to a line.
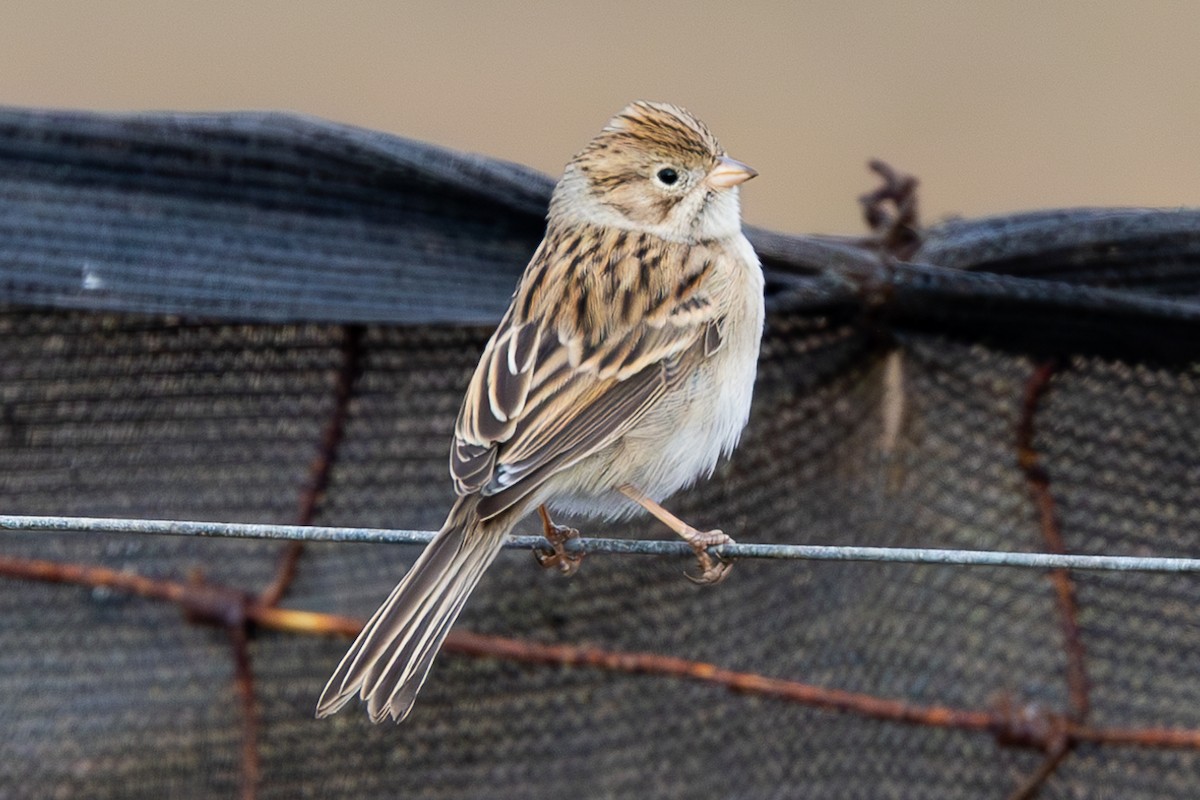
pixel 995 106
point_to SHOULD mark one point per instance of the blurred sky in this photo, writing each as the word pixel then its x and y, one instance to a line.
pixel 994 106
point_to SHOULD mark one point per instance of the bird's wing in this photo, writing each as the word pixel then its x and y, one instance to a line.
pixel 594 337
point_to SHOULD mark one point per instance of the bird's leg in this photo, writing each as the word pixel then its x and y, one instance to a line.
pixel 712 570
pixel 557 535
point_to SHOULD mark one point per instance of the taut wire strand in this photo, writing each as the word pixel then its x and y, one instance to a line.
pixel 806 552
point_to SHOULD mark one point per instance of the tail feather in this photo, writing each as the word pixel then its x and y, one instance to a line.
pixel 397 688
pixel 389 661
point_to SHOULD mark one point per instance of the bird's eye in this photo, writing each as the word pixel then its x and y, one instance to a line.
pixel 667 176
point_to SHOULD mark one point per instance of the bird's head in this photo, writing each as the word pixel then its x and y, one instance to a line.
pixel 654 168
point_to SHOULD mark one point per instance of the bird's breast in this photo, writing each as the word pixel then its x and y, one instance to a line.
pixel 702 418
pixel 683 436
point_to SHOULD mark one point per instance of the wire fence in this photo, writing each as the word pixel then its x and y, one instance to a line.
pixel 647 547
pixel 1020 383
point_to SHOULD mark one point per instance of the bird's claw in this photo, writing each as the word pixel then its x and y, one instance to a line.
pixel 557 557
pixel 713 569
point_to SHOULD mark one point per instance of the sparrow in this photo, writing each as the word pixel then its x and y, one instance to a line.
pixel 621 372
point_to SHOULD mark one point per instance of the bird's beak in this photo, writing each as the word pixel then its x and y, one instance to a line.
pixel 728 173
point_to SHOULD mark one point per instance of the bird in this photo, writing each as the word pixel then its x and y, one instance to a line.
pixel 622 372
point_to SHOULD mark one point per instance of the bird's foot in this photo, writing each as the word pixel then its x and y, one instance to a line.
pixel 713 569
pixel 557 557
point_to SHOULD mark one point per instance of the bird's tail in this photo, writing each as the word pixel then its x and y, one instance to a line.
pixel 390 659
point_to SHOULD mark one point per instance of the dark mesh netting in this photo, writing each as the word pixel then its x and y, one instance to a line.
pixel 272 319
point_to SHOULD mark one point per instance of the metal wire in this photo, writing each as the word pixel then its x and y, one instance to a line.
pixel 909 555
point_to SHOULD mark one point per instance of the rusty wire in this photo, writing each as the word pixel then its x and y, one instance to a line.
pixel 1017 725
